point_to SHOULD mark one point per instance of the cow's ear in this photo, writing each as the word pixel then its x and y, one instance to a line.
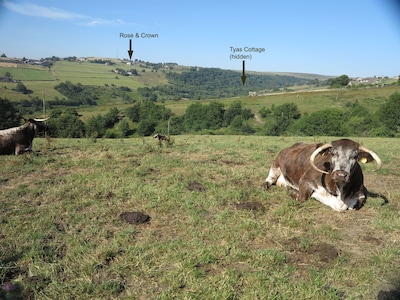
pixel 365 157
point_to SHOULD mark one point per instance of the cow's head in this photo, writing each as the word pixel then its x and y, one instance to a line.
pixel 344 155
pixel 38 124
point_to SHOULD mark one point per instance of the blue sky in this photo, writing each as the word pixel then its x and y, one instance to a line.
pixel 357 38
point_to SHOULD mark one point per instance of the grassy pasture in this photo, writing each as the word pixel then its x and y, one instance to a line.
pixel 41 80
pixel 88 73
pixel 28 73
pixel 213 234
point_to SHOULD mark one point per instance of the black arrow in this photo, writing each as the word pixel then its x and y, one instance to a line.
pixel 130 49
pixel 243 74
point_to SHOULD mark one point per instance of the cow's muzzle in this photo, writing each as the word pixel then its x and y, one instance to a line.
pixel 340 176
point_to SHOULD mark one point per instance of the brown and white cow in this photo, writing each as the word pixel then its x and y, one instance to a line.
pixel 18 140
pixel 161 138
pixel 329 173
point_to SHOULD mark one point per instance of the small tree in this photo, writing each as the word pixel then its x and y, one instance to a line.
pixel 21 88
pixel 95 126
pixel 111 118
pixel 123 128
pixel 340 81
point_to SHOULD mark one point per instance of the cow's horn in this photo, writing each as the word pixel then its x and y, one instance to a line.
pixel 314 154
pixel 374 155
pixel 40 120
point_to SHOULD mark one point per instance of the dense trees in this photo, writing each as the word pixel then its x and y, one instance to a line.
pixel 78 93
pixel 204 117
pixel 214 116
pixel 213 83
pixel 101 125
pixel 235 109
pixel 324 122
pixel 9 116
pixel 147 117
pixel 279 118
pixel 66 123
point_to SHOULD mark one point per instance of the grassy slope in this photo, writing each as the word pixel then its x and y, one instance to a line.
pixel 62 238
pixel 85 73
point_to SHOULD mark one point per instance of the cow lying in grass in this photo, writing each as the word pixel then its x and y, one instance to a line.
pixel 18 140
pixel 329 173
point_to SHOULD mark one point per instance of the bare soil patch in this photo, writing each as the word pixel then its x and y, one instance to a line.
pixel 135 218
pixel 196 186
pixel 251 205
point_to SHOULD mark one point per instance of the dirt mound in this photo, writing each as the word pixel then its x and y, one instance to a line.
pixel 135 217
pixel 319 252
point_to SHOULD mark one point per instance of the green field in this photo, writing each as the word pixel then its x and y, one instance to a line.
pixel 28 73
pixel 41 81
pixel 213 233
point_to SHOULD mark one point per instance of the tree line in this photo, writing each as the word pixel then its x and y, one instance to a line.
pixel 146 118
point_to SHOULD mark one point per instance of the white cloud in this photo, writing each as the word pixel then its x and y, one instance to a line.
pixel 98 22
pixel 54 13
pixel 34 10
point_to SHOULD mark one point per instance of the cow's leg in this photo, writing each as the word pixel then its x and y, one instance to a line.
pixel 295 194
pixel 19 149
pixel 356 202
pixel 305 190
pixel 335 202
pixel 273 175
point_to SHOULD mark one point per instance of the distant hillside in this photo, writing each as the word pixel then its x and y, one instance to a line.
pixel 156 81
pixel 214 83
pixel 302 75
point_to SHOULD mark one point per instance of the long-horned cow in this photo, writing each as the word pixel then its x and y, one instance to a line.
pixel 329 172
pixel 18 140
